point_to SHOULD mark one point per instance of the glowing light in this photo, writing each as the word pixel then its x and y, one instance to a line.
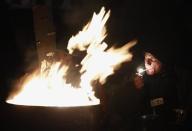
pixel 140 71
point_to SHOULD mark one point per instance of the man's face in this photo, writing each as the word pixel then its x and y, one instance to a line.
pixel 152 64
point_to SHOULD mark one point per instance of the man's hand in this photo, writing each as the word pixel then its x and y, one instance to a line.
pixel 138 82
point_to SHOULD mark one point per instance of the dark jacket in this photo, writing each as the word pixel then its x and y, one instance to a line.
pixel 160 87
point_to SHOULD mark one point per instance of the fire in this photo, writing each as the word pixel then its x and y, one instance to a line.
pixel 48 87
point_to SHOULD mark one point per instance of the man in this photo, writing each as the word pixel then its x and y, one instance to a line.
pixel 159 92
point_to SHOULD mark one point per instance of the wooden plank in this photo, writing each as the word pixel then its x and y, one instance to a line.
pixel 44 31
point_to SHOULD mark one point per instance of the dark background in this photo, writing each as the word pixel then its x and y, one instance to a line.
pixel 165 24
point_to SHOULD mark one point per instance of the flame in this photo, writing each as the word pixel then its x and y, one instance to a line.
pixel 93 33
pixel 48 87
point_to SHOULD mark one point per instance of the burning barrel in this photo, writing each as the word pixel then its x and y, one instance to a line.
pixel 52 101
pixel 36 118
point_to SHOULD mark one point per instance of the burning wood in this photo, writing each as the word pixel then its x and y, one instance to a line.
pixel 47 86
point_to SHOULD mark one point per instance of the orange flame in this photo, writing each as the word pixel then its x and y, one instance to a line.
pixel 48 87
